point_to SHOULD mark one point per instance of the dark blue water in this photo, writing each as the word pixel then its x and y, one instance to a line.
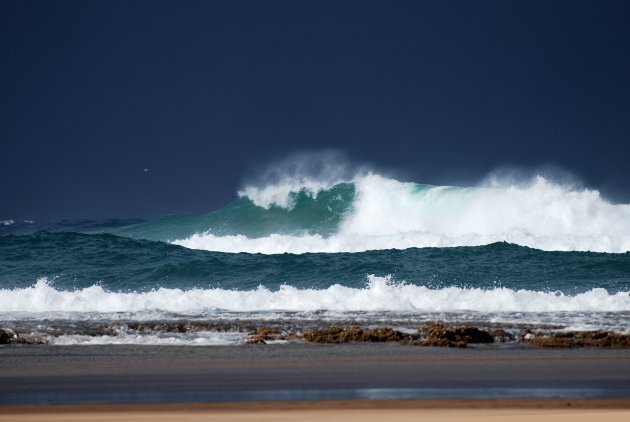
pixel 76 260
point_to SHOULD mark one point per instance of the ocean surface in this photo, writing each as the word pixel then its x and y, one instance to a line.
pixel 370 250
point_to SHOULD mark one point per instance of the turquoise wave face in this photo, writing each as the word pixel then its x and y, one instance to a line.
pixel 311 214
pixel 74 261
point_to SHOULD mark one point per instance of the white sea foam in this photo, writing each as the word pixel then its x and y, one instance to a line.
pixel 380 294
pixel 6 222
pixel 203 338
pixel 390 214
pixel 277 244
pixel 282 195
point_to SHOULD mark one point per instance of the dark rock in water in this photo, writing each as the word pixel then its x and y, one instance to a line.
pixel 30 339
pixel 446 336
pixel 354 334
pixel 8 336
pixel 474 335
pixel 177 326
pixel 502 336
pixel 579 339
pixel 101 330
pixel 261 335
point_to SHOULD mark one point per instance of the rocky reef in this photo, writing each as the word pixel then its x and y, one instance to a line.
pixel 434 334
pixel 446 336
pixel 336 335
pixel 173 326
pixel 439 335
pixel 263 335
pixel 579 339
pixel 8 336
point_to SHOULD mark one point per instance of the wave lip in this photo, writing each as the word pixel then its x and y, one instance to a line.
pixel 283 195
pixel 380 294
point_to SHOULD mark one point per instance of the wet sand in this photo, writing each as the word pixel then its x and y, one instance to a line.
pixel 302 381
pixel 365 411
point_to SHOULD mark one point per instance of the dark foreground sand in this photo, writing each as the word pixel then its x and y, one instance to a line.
pixel 312 382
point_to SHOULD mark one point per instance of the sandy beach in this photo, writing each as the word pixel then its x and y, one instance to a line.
pixel 311 382
pixel 400 411
pixel 326 412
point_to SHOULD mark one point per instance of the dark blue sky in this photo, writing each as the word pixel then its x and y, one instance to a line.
pixel 91 93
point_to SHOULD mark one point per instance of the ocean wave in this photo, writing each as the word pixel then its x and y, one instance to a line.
pixel 389 214
pixel 303 211
pixel 380 294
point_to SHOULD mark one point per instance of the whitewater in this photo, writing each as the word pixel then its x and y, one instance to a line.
pixel 388 214
pixel 380 294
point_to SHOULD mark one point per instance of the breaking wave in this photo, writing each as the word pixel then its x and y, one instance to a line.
pixel 380 294
pixel 375 212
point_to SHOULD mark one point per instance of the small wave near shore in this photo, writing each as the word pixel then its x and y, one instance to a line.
pixel 379 295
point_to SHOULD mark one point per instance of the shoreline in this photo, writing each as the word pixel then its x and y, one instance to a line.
pixel 64 375
pixel 293 405
pixel 203 333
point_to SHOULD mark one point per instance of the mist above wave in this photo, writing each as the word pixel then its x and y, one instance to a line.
pixel 281 183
